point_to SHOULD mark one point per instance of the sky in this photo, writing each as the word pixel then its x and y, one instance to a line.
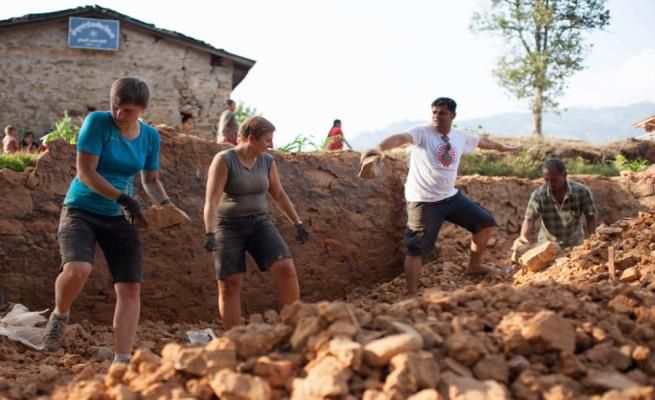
pixel 374 62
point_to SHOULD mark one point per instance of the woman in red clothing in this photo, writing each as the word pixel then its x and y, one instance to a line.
pixel 335 139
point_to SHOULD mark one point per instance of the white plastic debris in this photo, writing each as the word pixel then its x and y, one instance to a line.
pixel 201 337
pixel 19 323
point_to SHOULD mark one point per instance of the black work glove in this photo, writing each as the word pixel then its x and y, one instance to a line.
pixel 209 242
pixel 302 235
pixel 132 210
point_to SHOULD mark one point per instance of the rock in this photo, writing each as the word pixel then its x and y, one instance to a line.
pixel 343 328
pixel 307 327
pixel 326 378
pixel 121 392
pixel 609 380
pixel 347 351
pixel 633 393
pixel 271 317
pixel 517 364
pixel 276 372
pixel 621 358
pixel 378 352
pixel 460 388
pixel 257 339
pixel 410 372
pixel 492 367
pixel 609 230
pixel 457 368
pixel 464 348
pixel 160 217
pixel 220 353
pixel 426 394
pixel 539 257
pixel 231 385
pixel 550 331
pixel 630 275
pixel 430 337
pixel 623 304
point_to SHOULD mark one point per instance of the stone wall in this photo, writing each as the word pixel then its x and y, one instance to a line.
pixel 40 77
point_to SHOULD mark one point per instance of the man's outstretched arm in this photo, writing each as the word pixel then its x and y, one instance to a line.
pixel 488 144
pixel 389 143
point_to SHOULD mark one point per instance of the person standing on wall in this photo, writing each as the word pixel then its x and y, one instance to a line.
pixel 430 188
pixel 228 126
pixel 113 147
pixel 236 219
pixel 335 138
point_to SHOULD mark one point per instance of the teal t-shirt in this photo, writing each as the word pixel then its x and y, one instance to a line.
pixel 120 160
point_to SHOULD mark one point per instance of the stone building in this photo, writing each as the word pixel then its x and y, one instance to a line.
pixel 41 75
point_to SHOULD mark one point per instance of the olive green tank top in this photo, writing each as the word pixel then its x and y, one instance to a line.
pixel 245 188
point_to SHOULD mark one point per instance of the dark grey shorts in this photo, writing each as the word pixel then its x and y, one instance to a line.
pixel 424 221
pixel 120 242
pixel 255 234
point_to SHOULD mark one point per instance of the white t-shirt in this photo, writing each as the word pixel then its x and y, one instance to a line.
pixel 432 174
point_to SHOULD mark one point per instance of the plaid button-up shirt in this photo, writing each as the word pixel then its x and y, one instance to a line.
pixel 562 223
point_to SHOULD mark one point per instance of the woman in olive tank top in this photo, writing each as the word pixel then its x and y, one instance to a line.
pixel 236 219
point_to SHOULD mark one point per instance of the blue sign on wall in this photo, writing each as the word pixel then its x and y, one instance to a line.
pixel 91 33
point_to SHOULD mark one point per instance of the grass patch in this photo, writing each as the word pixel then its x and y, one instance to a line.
pixel 527 164
pixel 17 161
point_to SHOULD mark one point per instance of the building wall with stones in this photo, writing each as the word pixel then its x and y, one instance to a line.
pixel 40 77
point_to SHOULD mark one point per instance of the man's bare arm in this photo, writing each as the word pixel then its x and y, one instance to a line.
pixel 488 144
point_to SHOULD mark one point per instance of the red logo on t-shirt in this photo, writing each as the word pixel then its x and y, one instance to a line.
pixel 446 155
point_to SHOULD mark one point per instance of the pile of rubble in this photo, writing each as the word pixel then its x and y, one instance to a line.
pixel 544 340
pixel 624 251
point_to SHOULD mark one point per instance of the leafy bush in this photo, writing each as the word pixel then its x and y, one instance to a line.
pixel 17 161
pixel 244 111
pixel 299 143
pixel 622 164
pixel 65 129
pixel 527 164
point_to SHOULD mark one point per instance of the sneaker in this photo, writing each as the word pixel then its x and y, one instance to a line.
pixel 53 336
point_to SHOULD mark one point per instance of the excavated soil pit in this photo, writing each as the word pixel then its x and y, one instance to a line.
pixel 355 254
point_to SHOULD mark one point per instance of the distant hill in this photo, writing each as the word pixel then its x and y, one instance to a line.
pixel 593 125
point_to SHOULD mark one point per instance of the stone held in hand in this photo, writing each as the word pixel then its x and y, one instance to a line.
pixel 371 167
pixel 164 216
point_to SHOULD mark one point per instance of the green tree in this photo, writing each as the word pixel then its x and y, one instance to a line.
pixel 244 111
pixel 545 45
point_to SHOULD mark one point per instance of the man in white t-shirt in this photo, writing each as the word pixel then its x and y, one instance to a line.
pixel 430 188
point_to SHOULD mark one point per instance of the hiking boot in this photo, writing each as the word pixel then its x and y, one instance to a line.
pixel 53 336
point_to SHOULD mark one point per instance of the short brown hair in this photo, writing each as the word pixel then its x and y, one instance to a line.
pixel 256 127
pixel 129 91
pixel 9 128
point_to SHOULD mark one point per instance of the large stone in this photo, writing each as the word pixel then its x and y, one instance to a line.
pixel 410 372
pixel 464 348
pixel 326 378
pixel 307 327
pixel 347 351
pixel 276 372
pixel 378 352
pixel 492 367
pixel 460 388
pixel 630 275
pixel 231 385
pixel 549 331
pixel 160 217
pixel 609 380
pixel 540 256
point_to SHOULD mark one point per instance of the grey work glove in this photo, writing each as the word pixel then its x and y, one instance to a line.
pixel 209 242
pixel 132 210
pixel 302 236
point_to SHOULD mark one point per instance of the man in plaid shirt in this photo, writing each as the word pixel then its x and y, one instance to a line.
pixel 560 203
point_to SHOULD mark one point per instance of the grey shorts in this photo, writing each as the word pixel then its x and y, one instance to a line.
pixel 255 234
pixel 424 220
pixel 120 242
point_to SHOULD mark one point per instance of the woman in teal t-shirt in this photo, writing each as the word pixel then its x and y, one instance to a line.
pixel 113 146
